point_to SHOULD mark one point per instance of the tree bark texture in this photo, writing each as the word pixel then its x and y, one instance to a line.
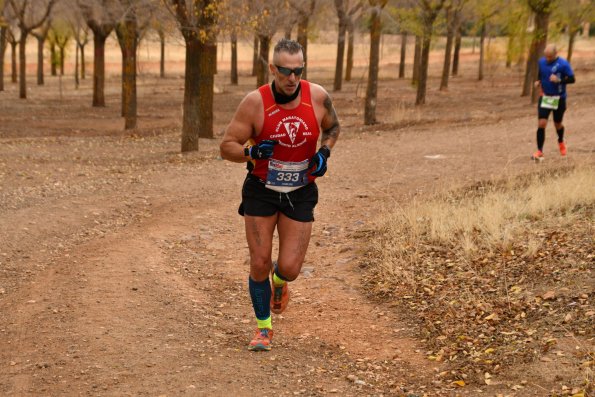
pixel 83 67
pixel 62 56
pixel 509 47
pixel 537 46
pixel 262 71
pixel 23 66
pixel 302 31
pixel 372 89
pixel 416 60
pixel 255 52
pixel 40 44
pixel 457 51
pixel 234 59
pixel 423 68
pixel 482 38
pixel 99 69
pixel 3 42
pixel 450 30
pixel 127 33
pixel 161 53
pixel 403 55
pixel 571 38
pixel 340 45
pixel 350 47
pixel 208 69
pixel 53 59
pixel 13 61
pixel 76 67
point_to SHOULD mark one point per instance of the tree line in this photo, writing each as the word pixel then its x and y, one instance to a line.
pixel 55 23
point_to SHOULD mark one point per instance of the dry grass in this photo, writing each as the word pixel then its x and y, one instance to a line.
pixel 493 216
pixel 479 270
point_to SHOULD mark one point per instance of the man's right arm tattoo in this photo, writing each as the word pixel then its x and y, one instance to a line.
pixel 331 127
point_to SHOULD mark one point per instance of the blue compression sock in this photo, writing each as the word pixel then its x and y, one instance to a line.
pixel 260 293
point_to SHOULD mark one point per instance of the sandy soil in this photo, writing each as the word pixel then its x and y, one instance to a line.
pixel 123 263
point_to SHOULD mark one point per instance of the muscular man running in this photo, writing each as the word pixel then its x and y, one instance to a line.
pixel 276 129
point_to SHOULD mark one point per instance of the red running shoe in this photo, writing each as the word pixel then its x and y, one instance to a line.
pixel 279 297
pixel 538 156
pixel 262 340
pixel 562 146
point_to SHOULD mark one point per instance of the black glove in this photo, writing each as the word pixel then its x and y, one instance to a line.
pixel 262 151
pixel 318 162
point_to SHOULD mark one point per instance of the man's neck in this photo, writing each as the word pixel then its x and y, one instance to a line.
pixel 281 98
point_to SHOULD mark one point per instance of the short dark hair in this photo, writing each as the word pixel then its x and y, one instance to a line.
pixel 290 46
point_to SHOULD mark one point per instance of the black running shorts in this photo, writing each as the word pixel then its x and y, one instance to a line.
pixel 298 205
pixel 558 113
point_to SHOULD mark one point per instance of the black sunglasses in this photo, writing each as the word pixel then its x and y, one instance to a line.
pixel 287 72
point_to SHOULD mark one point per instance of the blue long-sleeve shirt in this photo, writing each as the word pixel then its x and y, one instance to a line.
pixel 561 68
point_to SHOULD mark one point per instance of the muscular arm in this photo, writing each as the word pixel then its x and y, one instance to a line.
pixel 240 129
pixel 330 124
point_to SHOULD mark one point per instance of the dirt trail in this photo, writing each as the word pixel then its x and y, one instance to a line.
pixel 124 264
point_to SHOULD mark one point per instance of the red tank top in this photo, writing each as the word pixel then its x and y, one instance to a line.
pixel 296 130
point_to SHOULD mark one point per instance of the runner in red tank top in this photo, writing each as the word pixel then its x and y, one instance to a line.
pixel 276 129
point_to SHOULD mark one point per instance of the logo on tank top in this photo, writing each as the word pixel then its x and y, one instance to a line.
pixel 292 129
pixel 292 126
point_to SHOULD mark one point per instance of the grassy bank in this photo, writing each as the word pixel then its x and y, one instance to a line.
pixel 496 275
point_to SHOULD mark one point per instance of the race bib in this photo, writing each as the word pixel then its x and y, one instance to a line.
pixel 550 101
pixel 286 176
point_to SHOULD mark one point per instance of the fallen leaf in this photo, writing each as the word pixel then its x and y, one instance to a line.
pixel 549 295
pixel 460 383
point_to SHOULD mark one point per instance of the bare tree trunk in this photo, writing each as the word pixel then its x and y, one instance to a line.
pixel 99 69
pixel 161 53
pixel 416 60
pixel 76 67
pixel 302 38
pixel 40 43
pixel 403 55
pixel 53 60
pixel 423 68
pixel 23 66
pixel 340 47
pixel 372 90
pixel 3 41
pixel 234 58
pixel 191 118
pixel 13 63
pixel 350 45
pixel 457 51
pixel 509 47
pixel 448 50
pixel 255 55
pixel 83 68
pixel 287 33
pixel 262 71
pixel 62 60
pixel 127 33
pixel 536 49
pixel 198 97
pixel 481 51
pixel 541 27
pixel 571 36
pixel 206 83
